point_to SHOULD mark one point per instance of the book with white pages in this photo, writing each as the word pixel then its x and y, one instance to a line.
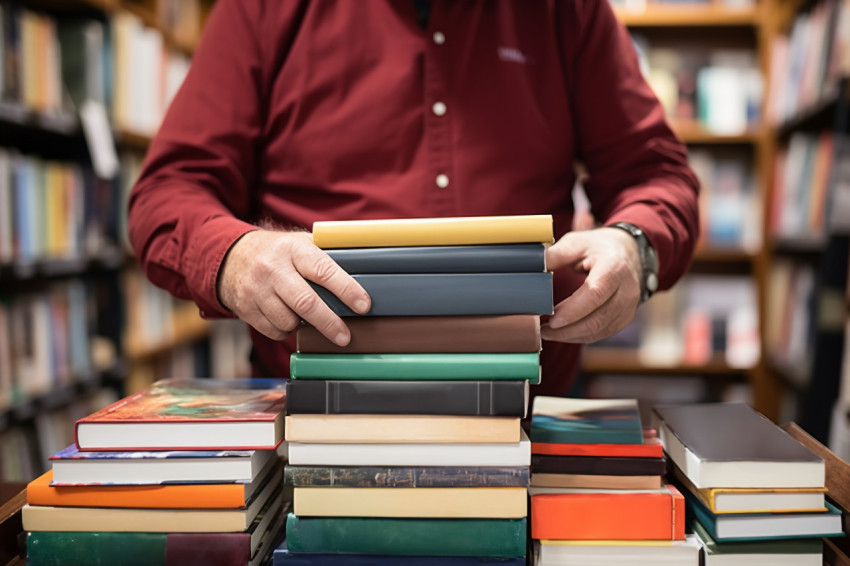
pixel 615 553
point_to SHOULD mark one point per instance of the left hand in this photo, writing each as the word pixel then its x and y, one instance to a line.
pixel 607 300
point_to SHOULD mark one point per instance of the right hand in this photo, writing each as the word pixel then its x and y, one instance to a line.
pixel 262 281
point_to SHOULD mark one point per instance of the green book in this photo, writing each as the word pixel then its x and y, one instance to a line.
pixel 416 366
pixel 95 548
pixel 778 546
pixel 407 537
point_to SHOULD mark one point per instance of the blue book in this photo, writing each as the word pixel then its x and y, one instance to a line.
pixel 283 557
pixel 561 420
pixel 506 258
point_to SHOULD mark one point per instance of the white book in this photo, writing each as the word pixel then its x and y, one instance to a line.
pixel 477 455
pixel 613 553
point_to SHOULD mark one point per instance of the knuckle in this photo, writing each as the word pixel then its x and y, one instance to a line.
pixel 305 302
pixel 324 269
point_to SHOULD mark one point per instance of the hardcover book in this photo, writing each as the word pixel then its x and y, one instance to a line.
pixel 416 367
pixel 706 443
pixel 652 448
pixel 618 553
pixel 394 476
pixel 283 557
pixel 586 481
pixel 429 334
pixel 780 552
pixel 456 231
pixel 561 420
pixel 190 415
pixel 436 294
pixel 504 258
pixel 74 467
pixel 591 465
pixel 461 398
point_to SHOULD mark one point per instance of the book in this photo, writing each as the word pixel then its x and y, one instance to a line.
pixel 562 420
pixel 781 552
pixel 74 467
pixel 342 397
pixel 394 476
pixel 652 448
pixel 249 548
pixel 410 537
pixel 504 258
pixel 283 557
pixel 586 481
pixel 72 519
pixel 431 334
pixel 411 502
pixel 176 496
pixel 581 514
pixel 594 465
pixel 436 294
pixel 190 414
pixel 613 553
pixel 453 231
pixel 760 526
pixel 705 442
pixel 453 455
pixel 416 367
pixel 401 429
pixel 752 500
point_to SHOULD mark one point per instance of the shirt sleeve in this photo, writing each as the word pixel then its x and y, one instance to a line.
pixel 194 197
pixel 638 168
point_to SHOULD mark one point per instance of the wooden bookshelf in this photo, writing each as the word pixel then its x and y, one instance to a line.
pixel 620 361
pixel 707 15
pixel 695 134
pixel 185 330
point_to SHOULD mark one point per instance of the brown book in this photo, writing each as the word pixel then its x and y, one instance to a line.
pixel 430 334
pixel 584 481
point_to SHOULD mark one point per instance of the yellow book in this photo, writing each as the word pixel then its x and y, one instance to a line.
pixel 455 231
pixel 401 429
pixel 595 481
pixel 55 201
pixel 418 502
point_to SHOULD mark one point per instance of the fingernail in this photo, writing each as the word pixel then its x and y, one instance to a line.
pixel 361 306
pixel 342 339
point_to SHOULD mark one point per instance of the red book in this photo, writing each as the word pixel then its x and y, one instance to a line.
pixel 652 448
pixel 585 514
pixel 190 414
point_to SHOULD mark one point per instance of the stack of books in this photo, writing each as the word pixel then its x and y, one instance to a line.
pixel 598 494
pixel 185 472
pixel 405 447
pixel 757 495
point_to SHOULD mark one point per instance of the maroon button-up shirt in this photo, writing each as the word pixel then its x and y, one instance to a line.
pixel 296 111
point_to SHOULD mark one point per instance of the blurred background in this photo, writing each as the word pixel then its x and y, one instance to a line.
pixel 757 89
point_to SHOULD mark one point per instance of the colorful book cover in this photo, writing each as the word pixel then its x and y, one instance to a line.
pixel 399 476
pixel 651 449
pixel 561 420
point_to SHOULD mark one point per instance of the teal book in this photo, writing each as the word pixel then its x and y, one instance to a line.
pixel 438 367
pixel 757 550
pixel 562 420
pixel 407 537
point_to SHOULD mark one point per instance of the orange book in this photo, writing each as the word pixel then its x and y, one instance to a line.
pixel 174 496
pixel 652 448
pixel 585 514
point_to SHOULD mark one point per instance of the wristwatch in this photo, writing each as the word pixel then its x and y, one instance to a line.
pixel 648 259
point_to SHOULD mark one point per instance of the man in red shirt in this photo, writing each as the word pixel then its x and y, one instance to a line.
pixel 310 110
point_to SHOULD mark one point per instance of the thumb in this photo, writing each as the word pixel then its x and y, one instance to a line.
pixel 569 251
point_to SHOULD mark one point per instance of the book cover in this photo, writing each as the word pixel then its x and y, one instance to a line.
pixel 436 294
pixel 431 334
pixel 614 553
pixel 190 414
pixel 595 465
pixel 452 231
pixel 576 514
pixel 71 466
pixel 652 448
pixel 416 367
pixel 561 420
pixel 283 557
pixel 780 552
pixel 408 537
pixel 411 502
pixel 341 397
pixel 401 429
pixel 505 258
pixel 705 442
pixel 585 481
pixel 397 476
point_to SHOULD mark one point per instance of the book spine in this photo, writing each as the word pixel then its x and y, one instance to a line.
pixel 394 367
pixel 203 549
pixel 434 232
pixel 336 397
pixel 391 476
pixel 433 294
pixel 509 258
pixel 432 334
pixel 283 557
pixel 411 537
pixel 598 465
pixel 95 548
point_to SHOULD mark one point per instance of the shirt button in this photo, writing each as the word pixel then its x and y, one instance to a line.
pixel 442 181
pixel 439 108
pixel 439 38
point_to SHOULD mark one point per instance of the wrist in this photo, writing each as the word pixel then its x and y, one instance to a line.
pixel 648 259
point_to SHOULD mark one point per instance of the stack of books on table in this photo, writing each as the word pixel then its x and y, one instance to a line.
pixel 598 494
pixel 757 495
pixel 405 447
pixel 183 473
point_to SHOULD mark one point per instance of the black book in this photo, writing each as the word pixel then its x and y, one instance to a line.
pixel 598 466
